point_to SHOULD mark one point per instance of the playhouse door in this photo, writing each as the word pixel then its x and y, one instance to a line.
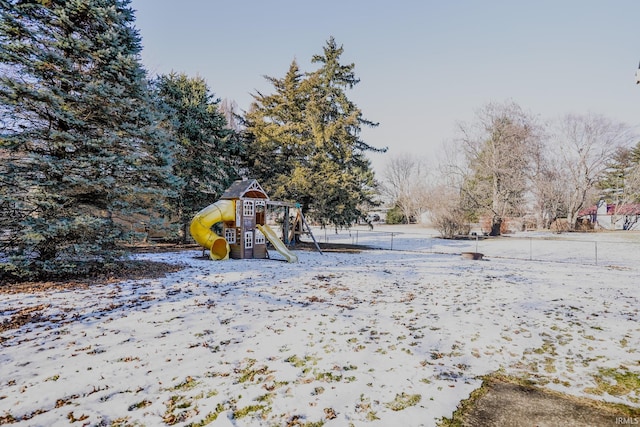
pixel 248 244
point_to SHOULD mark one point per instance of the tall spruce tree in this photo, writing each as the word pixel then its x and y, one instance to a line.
pixel 305 140
pixel 79 140
pixel 340 156
pixel 279 140
pixel 208 150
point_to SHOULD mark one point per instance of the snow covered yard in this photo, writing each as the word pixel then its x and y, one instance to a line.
pixel 371 338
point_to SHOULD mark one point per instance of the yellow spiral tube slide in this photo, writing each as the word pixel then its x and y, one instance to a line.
pixel 200 228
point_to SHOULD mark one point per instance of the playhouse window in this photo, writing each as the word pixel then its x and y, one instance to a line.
pixel 247 208
pixel 248 239
pixel 260 212
pixel 260 240
pixel 230 235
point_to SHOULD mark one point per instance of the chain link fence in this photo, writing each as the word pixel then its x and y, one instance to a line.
pixel 621 249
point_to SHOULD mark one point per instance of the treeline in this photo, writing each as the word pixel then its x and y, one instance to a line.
pixel 506 163
pixel 87 138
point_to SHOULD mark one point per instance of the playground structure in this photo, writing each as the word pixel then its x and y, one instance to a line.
pixel 243 210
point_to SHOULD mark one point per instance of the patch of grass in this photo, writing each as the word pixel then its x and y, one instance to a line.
pixel 140 405
pixel 300 363
pixel 249 373
pixel 547 348
pixel 403 401
pixel 459 416
pixel 364 406
pixel 327 377
pixel 178 410
pixel 275 385
pixel 266 398
pixel 297 421
pixel 295 361
pixel 251 409
pixel 616 382
pixel 209 418
pixel 187 384
pixel 549 365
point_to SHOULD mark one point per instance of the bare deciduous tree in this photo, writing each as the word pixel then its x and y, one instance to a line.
pixel 229 109
pixel 585 145
pixel 546 188
pixel 447 214
pixel 499 147
pixel 406 184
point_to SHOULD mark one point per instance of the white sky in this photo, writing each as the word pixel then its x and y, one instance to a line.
pixel 423 65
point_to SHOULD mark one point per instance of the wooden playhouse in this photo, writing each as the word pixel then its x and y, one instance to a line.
pixel 243 212
pixel 244 238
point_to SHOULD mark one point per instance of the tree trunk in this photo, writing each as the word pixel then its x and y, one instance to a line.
pixel 496 224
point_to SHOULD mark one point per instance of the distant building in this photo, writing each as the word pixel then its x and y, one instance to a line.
pixel 610 216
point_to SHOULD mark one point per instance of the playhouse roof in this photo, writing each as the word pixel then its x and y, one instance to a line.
pixel 245 188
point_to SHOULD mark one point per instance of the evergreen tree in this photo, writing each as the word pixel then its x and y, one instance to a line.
pixel 277 135
pixel 305 141
pixel 207 156
pixel 340 159
pixel 79 139
pixel 612 181
pixel 618 183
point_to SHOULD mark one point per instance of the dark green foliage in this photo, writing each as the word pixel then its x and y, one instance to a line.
pixel 78 140
pixel 612 182
pixel 207 154
pixel 395 216
pixel 619 182
pixel 304 141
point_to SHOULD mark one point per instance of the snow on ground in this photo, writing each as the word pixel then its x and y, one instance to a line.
pixel 373 338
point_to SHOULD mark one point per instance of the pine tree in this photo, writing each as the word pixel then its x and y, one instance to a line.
pixel 340 156
pixel 276 133
pixel 304 141
pixel 619 182
pixel 79 139
pixel 207 157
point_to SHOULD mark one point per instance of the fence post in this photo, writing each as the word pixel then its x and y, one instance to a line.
pixel 391 241
pixel 530 248
pixel 596 244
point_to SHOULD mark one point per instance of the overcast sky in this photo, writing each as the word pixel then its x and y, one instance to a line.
pixel 424 65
